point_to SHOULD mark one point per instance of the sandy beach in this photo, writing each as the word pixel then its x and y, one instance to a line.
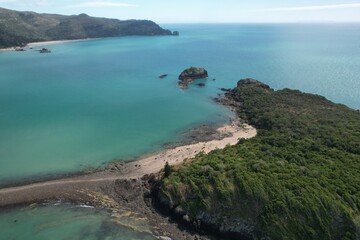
pixel 45 43
pixel 68 189
pixel 37 44
pixel 7 49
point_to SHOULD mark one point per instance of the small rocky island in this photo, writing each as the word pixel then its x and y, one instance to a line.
pixel 190 74
pixel 44 50
pixel 163 76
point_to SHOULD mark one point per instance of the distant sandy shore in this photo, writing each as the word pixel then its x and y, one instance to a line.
pixel 36 44
pixel 7 49
pixel 45 43
pixel 68 188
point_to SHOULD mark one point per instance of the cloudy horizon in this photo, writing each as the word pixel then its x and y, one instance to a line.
pixel 201 11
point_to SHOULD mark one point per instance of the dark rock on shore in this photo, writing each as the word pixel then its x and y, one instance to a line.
pixel 225 89
pixel 254 82
pixel 235 228
pixel 190 74
pixel 203 133
pixel 135 195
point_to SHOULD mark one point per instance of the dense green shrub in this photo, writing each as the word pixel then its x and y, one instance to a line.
pixel 299 178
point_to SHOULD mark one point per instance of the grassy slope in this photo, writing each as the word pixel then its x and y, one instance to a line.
pixel 18 28
pixel 298 179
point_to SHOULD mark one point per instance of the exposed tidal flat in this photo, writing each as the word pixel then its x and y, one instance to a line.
pixel 64 222
pixel 90 102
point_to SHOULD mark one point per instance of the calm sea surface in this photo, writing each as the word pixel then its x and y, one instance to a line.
pixel 91 102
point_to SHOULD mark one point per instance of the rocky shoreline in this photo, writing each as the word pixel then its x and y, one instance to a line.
pixel 140 201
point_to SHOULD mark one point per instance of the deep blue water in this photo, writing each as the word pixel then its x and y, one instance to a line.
pixel 317 58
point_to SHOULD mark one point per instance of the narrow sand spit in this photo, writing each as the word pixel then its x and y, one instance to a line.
pixel 73 188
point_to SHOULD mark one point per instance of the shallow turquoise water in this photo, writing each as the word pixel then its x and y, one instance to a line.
pixel 64 222
pixel 90 102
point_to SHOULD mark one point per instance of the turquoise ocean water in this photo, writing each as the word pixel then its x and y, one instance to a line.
pixel 90 102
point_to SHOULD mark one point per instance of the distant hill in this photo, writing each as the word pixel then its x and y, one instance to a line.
pixel 19 28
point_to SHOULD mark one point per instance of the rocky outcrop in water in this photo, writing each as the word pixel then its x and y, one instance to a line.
pixel 163 76
pixel 190 74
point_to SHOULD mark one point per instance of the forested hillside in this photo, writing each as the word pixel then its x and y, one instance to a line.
pixel 299 178
pixel 19 28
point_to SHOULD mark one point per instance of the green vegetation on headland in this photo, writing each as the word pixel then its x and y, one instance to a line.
pixel 20 28
pixel 299 178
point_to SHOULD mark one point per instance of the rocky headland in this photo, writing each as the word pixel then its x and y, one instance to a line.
pixel 273 185
pixel 190 74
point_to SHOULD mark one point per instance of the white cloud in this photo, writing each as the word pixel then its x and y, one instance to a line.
pixel 309 8
pixel 101 4
pixel 26 2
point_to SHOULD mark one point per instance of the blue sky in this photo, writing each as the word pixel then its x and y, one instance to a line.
pixel 200 11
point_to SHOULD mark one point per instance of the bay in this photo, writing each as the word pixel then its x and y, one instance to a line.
pixel 91 102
